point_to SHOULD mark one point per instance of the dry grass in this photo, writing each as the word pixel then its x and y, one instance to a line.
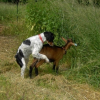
pixel 42 87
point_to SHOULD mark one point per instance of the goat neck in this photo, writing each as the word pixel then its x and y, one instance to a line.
pixel 64 50
pixel 67 46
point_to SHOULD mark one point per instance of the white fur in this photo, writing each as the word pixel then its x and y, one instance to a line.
pixel 34 49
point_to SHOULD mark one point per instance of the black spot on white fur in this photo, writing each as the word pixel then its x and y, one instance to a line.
pixel 27 42
pixel 18 57
pixel 49 36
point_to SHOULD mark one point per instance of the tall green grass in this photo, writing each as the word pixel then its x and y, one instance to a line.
pixel 46 16
pixel 87 66
pixel 7 12
pixel 14 23
pixel 65 19
pixel 71 20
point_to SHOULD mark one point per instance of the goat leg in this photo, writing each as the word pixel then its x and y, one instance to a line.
pixel 30 71
pixel 36 71
pixel 53 67
pixel 57 69
pixel 31 67
pixel 54 64
pixel 40 62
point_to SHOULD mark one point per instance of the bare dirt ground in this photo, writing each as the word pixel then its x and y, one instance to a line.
pixel 43 87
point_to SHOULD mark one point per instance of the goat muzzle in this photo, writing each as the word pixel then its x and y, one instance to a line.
pixel 75 44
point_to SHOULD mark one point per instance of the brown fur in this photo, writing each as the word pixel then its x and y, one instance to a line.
pixel 54 54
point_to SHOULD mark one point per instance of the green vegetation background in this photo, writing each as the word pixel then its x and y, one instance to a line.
pixel 73 19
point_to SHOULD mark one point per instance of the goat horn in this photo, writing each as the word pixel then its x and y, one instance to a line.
pixel 64 40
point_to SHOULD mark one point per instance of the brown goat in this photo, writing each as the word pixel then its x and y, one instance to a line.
pixel 54 54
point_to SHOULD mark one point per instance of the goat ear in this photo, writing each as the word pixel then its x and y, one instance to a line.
pixel 64 40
